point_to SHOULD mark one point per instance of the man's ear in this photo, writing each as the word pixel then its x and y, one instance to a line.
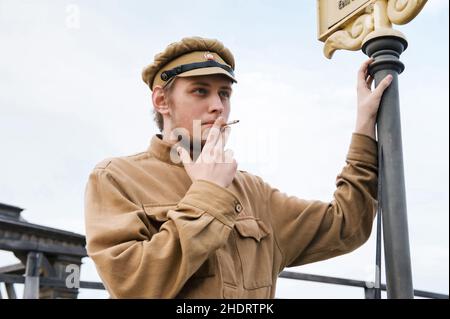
pixel 160 100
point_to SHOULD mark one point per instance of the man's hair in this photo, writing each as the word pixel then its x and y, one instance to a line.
pixel 168 88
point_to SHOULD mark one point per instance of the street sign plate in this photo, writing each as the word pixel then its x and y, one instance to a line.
pixel 332 14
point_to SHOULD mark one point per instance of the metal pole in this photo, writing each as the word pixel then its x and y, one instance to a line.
pixel 378 254
pixel 31 289
pixel 386 51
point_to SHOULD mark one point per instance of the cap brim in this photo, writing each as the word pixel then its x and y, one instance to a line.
pixel 207 71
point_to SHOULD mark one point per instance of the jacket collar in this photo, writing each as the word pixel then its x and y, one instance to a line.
pixel 164 151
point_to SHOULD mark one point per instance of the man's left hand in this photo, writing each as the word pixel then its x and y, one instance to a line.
pixel 368 100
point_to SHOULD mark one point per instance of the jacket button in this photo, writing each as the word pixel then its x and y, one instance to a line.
pixel 238 208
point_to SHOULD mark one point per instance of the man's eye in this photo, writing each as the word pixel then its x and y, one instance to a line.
pixel 225 94
pixel 200 91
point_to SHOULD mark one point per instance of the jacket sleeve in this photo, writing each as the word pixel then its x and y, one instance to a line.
pixel 309 231
pixel 136 260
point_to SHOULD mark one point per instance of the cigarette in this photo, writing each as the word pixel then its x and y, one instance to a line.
pixel 232 122
pixel 227 124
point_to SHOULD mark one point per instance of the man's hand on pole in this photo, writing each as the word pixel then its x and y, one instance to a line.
pixel 368 100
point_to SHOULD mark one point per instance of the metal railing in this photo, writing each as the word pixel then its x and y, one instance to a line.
pixel 369 287
pixel 30 290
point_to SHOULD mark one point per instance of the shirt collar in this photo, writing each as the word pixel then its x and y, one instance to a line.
pixel 164 151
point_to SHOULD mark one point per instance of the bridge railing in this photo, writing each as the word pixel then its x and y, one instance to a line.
pixel 32 290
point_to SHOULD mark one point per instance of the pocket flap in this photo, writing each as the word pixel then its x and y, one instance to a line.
pixel 251 227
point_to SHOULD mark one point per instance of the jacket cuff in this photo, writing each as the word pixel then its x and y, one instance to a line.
pixel 213 199
pixel 363 149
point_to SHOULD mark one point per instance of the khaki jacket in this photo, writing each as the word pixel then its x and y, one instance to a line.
pixel 152 233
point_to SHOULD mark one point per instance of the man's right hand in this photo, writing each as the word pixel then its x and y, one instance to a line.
pixel 214 164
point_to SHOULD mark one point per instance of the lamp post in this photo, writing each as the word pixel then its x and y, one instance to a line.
pixel 367 25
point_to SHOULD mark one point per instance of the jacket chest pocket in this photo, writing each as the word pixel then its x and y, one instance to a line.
pixel 157 216
pixel 255 247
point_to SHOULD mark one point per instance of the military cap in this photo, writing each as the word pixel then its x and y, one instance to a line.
pixel 191 56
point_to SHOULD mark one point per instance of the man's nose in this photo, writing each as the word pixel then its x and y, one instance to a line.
pixel 216 104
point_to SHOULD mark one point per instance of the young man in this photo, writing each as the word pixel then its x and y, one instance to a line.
pixel 180 221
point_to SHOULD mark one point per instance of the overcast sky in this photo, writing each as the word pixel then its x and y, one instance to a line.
pixel 71 95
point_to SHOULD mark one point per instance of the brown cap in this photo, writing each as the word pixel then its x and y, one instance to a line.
pixel 189 57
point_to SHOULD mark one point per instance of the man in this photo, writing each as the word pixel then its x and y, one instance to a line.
pixel 180 221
